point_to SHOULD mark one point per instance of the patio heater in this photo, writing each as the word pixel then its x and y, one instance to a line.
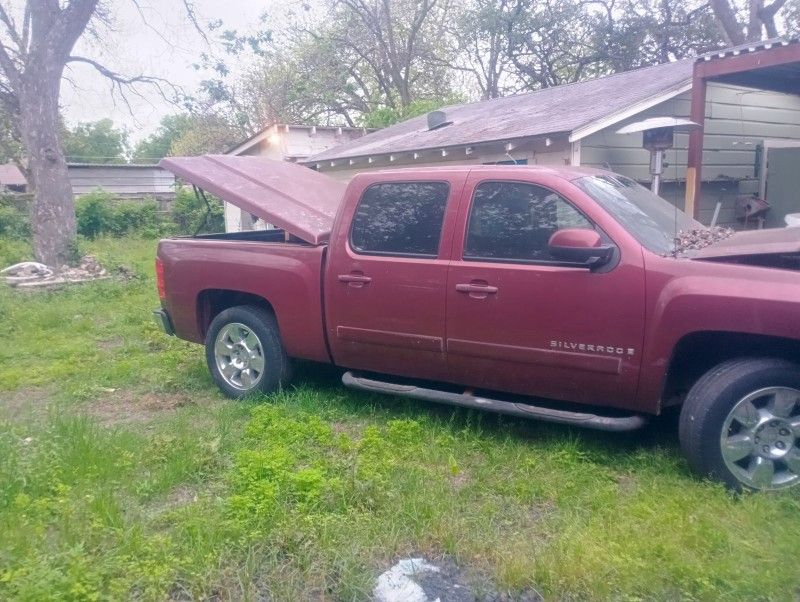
pixel 657 136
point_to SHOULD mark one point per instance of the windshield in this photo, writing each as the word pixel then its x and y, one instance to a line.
pixel 653 221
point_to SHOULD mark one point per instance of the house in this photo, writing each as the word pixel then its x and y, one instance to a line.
pixel 11 179
pixel 746 99
pixel 287 142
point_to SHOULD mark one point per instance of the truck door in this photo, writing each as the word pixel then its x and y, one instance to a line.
pixel 520 321
pixel 386 275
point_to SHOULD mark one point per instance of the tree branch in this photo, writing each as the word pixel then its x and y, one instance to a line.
pixel 726 18
pixel 767 12
pixel 8 67
pixel 12 30
pixel 119 81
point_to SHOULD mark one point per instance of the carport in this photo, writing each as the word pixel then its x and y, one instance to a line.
pixel 773 65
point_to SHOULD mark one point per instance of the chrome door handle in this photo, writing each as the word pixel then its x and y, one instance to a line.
pixel 354 280
pixel 476 288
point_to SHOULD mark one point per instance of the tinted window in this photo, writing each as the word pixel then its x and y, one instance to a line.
pixel 509 220
pixel 400 218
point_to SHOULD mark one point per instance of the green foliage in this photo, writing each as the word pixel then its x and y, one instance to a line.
pixel 100 213
pixel 157 145
pixel 187 134
pixel 94 213
pixel 95 142
pixel 386 116
pixel 14 219
pixel 10 140
pixel 189 211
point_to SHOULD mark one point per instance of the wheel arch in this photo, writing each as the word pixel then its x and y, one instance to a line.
pixel 211 302
pixel 697 352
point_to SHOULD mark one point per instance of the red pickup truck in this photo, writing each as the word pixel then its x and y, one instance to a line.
pixel 547 293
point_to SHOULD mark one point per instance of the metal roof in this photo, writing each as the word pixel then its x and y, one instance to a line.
pixel 768 65
pixel 745 48
pixel 561 109
pixel 10 175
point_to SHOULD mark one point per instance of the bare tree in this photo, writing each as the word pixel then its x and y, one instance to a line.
pixel 33 55
pixel 481 45
pixel 761 18
pixel 36 44
pixel 396 40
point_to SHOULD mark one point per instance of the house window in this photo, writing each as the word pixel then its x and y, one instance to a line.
pixel 400 218
pixel 508 162
pixel 512 221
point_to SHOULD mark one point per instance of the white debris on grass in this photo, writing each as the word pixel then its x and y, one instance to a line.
pixel 397 585
pixel 33 275
pixel 25 271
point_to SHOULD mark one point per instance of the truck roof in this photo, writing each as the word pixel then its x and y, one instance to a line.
pixel 301 201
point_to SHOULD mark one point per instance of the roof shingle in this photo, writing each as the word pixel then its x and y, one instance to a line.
pixel 10 175
pixel 551 110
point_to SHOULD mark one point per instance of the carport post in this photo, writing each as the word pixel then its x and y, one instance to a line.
pixel 694 166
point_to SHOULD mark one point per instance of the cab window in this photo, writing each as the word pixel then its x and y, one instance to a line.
pixel 400 218
pixel 513 221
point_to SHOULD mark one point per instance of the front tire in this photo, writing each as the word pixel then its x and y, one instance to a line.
pixel 740 424
pixel 244 352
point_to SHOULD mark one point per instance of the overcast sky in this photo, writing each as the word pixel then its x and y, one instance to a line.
pixel 166 47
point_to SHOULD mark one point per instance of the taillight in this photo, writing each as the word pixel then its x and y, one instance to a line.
pixel 162 292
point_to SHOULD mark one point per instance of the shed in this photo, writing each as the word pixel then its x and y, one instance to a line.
pixel 129 181
pixel 576 124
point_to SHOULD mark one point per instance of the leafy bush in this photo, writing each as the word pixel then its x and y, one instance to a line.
pixel 99 213
pixel 14 220
pixel 94 213
pixel 188 212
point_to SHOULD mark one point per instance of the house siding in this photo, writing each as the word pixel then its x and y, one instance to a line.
pixel 737 122
pixel 122 180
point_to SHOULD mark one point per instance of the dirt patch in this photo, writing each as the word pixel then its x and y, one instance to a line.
pixel 459 480
pixel 352 429
pixel 110 344
pixel 130 407
pixel 24 403
pixel 627 483
pixel 180 496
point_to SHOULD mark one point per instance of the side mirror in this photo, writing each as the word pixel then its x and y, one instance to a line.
pixel 580 246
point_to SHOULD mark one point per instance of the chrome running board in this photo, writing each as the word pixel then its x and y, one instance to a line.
pixel 523 410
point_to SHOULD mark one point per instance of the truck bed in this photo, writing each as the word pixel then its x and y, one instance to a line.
pixel 205 271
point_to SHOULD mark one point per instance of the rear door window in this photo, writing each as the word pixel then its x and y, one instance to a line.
pixel 513 221
pixel 400 218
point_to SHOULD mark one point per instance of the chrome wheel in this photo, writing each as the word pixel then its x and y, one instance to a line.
pixel 239 356
pixel 760 439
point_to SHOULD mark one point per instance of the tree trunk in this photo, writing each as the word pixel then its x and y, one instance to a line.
pixel 53 209
pixel 727 22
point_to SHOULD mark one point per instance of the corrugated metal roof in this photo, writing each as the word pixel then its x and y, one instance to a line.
pixel 749 47
pixel 543 112
pixel 10 175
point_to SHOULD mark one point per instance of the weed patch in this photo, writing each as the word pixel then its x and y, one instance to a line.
pixel 124 474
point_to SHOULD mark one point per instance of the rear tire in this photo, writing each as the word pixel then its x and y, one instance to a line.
pixel 740 424
pixel 244 352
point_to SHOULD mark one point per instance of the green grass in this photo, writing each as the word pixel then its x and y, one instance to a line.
pixel 124 474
